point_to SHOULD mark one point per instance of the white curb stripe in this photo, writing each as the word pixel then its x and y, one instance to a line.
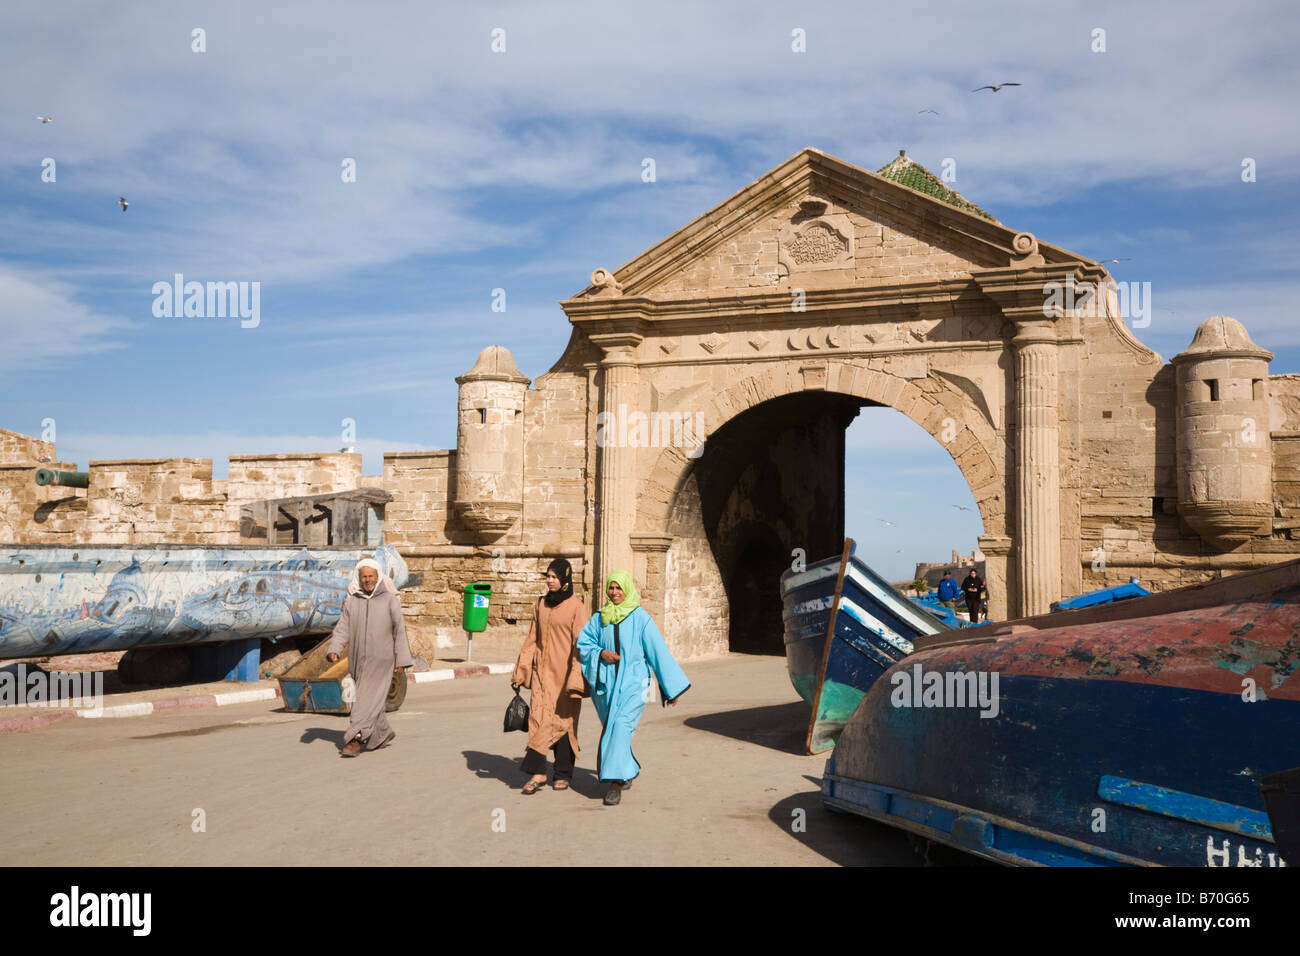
pixel 243 696
pixel 501 668
pixel 120 710
pixel 425 677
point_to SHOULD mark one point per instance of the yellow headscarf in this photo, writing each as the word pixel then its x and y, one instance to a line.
pixel 612 613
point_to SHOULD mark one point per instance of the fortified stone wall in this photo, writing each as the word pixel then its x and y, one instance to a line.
pixel 1127 469
pixel 423 523
pixel 1284 394
pixel 696 616
pixel 1119 487
pixel 16 447
pixel 157 500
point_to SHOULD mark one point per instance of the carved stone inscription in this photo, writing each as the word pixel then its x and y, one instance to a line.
pixel 818 243
pixel 823 242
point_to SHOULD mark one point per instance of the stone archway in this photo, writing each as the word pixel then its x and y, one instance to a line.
pixel 824 277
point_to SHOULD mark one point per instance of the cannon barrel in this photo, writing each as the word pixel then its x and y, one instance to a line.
pixel 69 479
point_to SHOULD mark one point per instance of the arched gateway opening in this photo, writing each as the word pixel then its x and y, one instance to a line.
pixel 770 481
pixel 771 487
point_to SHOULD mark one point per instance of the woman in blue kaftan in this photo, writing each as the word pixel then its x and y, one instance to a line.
pixel 621 649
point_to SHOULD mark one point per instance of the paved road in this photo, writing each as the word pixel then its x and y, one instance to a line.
pixel 723 782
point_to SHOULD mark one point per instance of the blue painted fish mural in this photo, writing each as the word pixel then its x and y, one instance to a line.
pixel 65 600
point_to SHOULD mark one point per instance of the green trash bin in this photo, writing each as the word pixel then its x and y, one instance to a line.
pixel 477 599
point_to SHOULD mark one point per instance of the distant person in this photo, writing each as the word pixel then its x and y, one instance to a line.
pixel 549 666
pixel 948 590
pixel 621 648
pixel 372 629
pixel 972 587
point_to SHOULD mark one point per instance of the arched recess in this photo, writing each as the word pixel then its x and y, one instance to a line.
pixel 669 498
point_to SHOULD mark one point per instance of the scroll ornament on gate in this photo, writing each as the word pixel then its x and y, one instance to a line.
pixel 1025 251
pixel 604 284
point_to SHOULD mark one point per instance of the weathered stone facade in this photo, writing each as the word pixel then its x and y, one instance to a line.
pixel 693 429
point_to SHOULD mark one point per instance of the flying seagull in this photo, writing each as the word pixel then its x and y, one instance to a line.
pixel 121 201
pixel 935 112
pixel 994 88
pixel 886 522
pixel 46 119
pixel 961 507
pixel 1123 259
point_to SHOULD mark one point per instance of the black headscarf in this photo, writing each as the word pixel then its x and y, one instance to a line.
pixel 564 572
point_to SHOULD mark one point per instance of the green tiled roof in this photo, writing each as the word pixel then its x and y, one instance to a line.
pixel 913 175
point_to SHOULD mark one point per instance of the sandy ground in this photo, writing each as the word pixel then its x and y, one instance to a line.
pixel 723 782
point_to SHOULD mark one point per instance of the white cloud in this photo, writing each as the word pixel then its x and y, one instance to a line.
pixel 43 326
pixel 231 157
pixel 1266 308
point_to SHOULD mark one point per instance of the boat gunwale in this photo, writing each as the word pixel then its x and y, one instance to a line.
pixel 946 838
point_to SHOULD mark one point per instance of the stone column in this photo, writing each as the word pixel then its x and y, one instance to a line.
pixel 996 548
pixel 1038 467
pixel 1021 292
pixel 651 565
pixel 615 460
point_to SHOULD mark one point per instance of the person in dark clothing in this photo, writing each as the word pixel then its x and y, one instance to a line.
pixel 948 590
pixel 972 588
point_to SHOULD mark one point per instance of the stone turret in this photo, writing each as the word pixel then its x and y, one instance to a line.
pixel 490 445
pixel 1225 459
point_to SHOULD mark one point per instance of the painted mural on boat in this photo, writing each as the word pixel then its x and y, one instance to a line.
pixel 79 599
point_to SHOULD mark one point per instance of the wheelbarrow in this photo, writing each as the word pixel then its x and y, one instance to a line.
pixel 315 686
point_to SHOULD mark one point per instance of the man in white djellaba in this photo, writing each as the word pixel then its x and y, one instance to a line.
pixel 372 629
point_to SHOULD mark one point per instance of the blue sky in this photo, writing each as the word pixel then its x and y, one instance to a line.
pixel 521 170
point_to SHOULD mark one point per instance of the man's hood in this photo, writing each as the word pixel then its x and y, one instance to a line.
pixel 385 583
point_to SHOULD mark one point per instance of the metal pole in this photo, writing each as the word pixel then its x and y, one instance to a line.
pixel 469 646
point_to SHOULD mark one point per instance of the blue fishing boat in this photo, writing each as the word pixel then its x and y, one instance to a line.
pixel 930 603
pixel 1134 734
pixel 72 600
pixel 845 625
pixel 1121 592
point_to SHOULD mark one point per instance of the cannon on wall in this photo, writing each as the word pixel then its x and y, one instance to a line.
pixel 68 479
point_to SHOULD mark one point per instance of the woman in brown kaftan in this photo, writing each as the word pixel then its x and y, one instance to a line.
pixel 549 666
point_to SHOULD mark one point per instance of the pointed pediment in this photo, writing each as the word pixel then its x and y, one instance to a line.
pixel 817 222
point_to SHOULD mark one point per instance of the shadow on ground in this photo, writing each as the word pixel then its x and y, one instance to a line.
pixel 313 734
pixel 192 732
pixel 851 840
pixel 487 766
pixel 782 727
pixel 841 838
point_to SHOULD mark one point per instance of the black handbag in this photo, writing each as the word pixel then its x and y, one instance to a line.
pixel 516 713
